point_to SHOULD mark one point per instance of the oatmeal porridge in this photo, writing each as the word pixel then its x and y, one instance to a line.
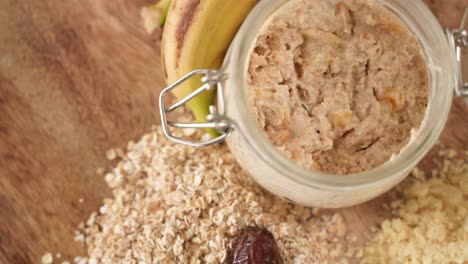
pixel 337 86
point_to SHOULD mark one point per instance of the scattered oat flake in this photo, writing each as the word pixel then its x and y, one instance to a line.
pixel 151 19
pixel 80 238
pixel 47 258
pixel 81 260
pixel 111 154
pixel 100 171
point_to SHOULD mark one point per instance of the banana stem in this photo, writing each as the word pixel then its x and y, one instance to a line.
pixel 200 111
pixel 163 6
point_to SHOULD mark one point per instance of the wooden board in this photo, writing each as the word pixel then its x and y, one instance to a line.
pixel 80 77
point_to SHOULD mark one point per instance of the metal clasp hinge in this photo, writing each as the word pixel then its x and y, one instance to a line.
pixel 217 119
pixel 458 40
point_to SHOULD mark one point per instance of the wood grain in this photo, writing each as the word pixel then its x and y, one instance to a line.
pixel 79 77
pixel 76 78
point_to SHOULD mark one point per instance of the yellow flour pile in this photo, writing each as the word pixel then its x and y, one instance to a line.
pixel 431 223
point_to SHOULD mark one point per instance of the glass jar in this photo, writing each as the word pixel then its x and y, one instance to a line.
pixel 282 176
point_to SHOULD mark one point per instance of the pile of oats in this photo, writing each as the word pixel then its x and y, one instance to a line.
pixel 177 204
pixel 431 223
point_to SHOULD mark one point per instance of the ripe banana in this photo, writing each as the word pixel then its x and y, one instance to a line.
pixel 197 35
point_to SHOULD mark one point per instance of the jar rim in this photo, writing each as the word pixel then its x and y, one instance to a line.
pixel 236 65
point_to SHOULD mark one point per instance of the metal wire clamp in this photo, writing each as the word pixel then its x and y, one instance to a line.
pixel 217 119
pixel 458 40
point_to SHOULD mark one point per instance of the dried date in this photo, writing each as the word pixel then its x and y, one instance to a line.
pixel 254 245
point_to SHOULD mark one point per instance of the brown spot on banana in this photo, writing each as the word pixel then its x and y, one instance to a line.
pixel 163 63
pixel 188 14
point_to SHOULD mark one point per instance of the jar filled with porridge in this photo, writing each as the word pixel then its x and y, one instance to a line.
pixel 332 103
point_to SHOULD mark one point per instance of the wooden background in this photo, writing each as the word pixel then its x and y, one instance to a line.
pixel 80 77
